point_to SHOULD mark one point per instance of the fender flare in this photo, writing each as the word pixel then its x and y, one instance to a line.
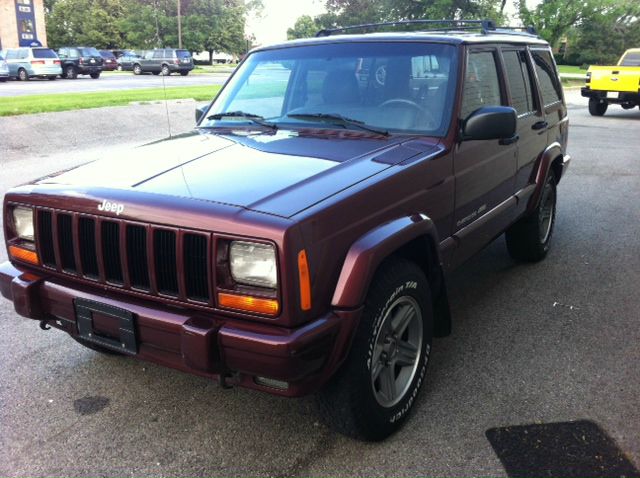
pixel 549 155
pixel 368 252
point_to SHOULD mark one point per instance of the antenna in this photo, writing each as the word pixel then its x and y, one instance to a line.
pixel 166 104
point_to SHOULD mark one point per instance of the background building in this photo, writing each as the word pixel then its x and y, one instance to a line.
pixel 22 23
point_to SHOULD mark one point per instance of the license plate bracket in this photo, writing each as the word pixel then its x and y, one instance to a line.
pixel 126 342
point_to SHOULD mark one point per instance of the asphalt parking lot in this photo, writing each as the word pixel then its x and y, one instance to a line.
pixel 108 82
pixel 532 344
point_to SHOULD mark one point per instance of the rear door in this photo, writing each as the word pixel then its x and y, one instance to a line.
pixel 532 127
pixel 550 89
pixel 484 170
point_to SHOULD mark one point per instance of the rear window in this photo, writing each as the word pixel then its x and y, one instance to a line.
pixel 88 52
pixel 631 59
pixel 183 54
pixel 107 54
pixel 44 53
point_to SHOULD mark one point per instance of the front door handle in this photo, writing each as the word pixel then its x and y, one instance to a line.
pixel 540 125
pixel 512 140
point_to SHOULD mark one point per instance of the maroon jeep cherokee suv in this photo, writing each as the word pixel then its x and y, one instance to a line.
pixel 300 239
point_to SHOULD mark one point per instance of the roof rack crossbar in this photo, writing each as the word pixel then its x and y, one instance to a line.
pixel 485 27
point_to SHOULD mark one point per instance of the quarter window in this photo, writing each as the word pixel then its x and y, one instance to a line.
pixel 481 84
pixel 549 84
pixel 519 77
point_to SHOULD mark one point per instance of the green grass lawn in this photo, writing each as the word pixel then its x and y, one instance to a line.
pixel 571 69
pixel 29 104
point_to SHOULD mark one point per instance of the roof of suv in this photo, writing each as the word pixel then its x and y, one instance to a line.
pixel 451 37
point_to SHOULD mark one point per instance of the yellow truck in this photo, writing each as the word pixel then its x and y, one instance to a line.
pixel 618 84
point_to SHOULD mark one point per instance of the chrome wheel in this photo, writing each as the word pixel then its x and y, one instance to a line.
pixel 547 211
pixel 397 351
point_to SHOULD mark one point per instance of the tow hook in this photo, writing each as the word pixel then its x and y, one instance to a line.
pixel 44 325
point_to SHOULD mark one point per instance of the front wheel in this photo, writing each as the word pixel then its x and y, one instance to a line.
pixel 137 70
pixel 184 73
pixel 70 72
pixel 529 238
pixel 23 75
pixel 95 76
pixel 165 71
pixel 597 107
pixel 119 68
pixel 371 395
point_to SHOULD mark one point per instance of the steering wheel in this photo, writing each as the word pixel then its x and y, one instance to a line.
pixel 421 113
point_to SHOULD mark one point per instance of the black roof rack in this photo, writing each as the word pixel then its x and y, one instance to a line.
pixel 485 27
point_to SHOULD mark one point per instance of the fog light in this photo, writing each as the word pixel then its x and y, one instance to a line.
pixel 271 383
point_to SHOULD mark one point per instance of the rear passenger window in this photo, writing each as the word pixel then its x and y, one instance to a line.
pixel 519 78
pixel 549 84
pixel 481 84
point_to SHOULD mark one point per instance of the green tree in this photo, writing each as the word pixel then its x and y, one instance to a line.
pixel 304 27
pixel 554 18
pixel 603 38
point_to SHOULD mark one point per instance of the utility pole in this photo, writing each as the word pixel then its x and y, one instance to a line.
pixel 179 26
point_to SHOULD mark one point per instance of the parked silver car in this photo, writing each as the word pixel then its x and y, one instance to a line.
pixel 26 63
pixel 4 69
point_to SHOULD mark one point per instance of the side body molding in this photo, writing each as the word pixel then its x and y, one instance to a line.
pixel 366 254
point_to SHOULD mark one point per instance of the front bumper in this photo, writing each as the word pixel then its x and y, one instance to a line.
pixel 209 345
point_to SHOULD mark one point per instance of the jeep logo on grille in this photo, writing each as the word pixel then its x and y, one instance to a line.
pixel 111 207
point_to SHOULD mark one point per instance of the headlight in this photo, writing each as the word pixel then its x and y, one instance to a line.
pixel 253 264
pixel 23 221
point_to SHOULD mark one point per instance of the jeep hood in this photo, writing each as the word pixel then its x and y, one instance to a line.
pixel 279 173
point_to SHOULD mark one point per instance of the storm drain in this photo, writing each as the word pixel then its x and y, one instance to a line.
pixel 564 449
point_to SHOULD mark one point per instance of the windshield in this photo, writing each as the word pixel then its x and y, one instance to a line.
pixel 44 53
pixel 395 87
pixel 631 59
pixel 88 52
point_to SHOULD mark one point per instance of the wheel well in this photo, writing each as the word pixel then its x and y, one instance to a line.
pixel 423 252
pixel 556 167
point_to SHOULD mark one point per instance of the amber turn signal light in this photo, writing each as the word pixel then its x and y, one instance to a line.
pixel 24 255
pixel 305 281
pixel 249 304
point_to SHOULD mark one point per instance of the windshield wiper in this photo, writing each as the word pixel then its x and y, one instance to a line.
pixel 337 119
pixel 257 119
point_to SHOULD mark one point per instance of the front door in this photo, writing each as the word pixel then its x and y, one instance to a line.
pixel 484 170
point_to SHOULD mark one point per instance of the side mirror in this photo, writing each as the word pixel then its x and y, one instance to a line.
pixel 490 122
pixel 201 110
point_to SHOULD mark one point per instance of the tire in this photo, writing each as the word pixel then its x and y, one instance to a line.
pixel 156 73
pixel 119 68
pixel 356 403
pixel 597 107
pixel 184 73
pixel 52 78
pixel 529 238
pixel 137 69
pixel 23 75
pixel 70 72
pixel 165 71
pixel 95 347
pixel 95 76
pixel 3 80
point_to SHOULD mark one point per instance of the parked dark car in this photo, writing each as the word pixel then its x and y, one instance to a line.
pixel 301 238
pixel 127 60
pixel 80 60
pixel 164 61
pixel 109 60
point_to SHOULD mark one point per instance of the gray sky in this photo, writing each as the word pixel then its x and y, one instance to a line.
pixel 278 15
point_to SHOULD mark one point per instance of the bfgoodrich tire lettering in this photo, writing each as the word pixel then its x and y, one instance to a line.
pixel 352 402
